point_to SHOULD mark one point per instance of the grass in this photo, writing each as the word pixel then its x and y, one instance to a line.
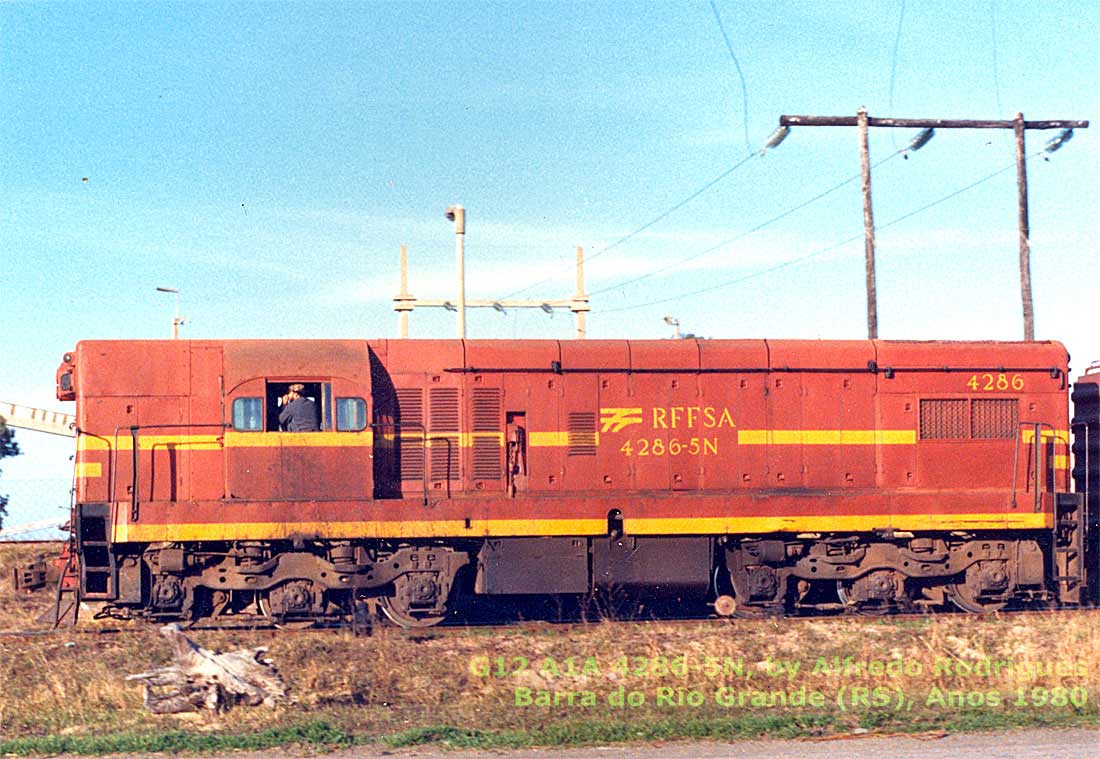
pixel 311 734
pixel 65 692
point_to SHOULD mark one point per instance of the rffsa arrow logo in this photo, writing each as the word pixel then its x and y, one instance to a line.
pixel 614 419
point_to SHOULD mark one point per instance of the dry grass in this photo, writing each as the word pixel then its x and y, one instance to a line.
pixel 395 680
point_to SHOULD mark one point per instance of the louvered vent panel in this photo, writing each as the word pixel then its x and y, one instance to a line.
pixel 582 434
pixel 488 435
pixel 487 409
pixel 444 409
pixel 995 418
pixel 445 451
pixel 410 420
pixel 944 419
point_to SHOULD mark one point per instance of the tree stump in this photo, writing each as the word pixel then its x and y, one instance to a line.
pixel 202 679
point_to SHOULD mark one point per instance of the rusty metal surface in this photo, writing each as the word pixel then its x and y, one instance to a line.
pixel 32 576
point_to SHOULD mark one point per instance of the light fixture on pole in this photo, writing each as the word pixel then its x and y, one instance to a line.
pixel 457 214
pixel 177 320
pixel 673 322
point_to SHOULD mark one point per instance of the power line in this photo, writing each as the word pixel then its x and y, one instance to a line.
pixel 821 251
pixel 740 74
pixel 996 75
pixel 660 217
pixel 894 62
pixel 744 234
pixel 704 188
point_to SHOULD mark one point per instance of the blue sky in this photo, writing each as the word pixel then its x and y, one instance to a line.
pixel 269 159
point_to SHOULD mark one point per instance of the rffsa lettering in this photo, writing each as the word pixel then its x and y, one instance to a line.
pixel 674 417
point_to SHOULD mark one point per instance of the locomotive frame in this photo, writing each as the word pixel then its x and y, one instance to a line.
pixel 756 475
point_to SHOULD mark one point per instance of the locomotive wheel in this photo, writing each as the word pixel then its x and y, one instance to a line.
pixel 404 617
pixel 759 592
pixel 875 594
pixel 278 621
pixel 987 586
pixel 415 600
pixel 282 623
pixel 964 598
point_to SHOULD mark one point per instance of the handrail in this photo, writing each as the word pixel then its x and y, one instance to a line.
pixel 1036 443
pixel 134 431
pixel 1083 514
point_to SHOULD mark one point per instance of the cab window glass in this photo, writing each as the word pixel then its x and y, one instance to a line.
pixel 351 414
pixel 248 414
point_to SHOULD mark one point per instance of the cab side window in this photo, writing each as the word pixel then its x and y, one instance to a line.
pixel 248 414
pixel 351 414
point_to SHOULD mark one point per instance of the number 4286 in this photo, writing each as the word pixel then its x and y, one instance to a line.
pixel 995 382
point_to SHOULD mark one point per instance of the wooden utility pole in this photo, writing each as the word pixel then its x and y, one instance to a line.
pixel 1025 230
pixel 863 121
pixel 868 228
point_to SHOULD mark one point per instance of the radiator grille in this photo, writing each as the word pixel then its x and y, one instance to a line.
pixel 582 433
pixel 410 421
pixel 974 419
pixel 444 409
pixel 995 418
pixel 445 451
pixel 487 449
pixel 486 409
pixel 944 419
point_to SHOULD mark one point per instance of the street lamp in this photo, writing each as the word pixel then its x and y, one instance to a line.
pixel 177 320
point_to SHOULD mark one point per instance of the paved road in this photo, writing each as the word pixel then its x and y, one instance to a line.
pixel 1037 744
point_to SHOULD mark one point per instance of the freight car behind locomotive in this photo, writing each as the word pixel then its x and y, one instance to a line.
pixel 758 475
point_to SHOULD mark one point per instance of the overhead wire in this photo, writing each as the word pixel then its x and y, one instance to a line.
pixel 894 65
pixel 740 74
pixel 821 251
pixel 660 217
pixel 748 147
pixel 996 74
pixel 746 233
pixel 894 60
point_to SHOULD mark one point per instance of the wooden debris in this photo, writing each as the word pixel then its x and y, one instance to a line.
pixel 203 679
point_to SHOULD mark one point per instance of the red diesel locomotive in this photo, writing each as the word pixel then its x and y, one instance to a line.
pixel 759 475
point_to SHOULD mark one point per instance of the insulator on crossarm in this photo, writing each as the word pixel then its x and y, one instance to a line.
pixel 1057 142
pixel 776 137
pixel 922 138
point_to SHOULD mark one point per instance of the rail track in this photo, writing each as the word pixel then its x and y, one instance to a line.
pixel 527 618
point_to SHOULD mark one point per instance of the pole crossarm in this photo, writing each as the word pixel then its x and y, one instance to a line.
pixel 1018 125
pixel 436 303
pixel 872 121
pixel 404 302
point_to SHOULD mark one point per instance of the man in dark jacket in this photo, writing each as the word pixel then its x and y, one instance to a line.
pixel 299 413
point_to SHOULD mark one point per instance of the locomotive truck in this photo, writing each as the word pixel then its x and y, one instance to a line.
pixel 757 475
